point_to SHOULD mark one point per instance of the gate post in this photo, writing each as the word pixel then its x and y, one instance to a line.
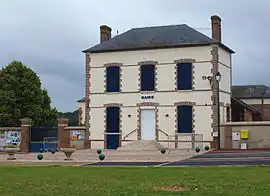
pixel 63 136
pixel 25 134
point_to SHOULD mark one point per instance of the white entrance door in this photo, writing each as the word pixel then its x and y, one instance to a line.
pixel 148 124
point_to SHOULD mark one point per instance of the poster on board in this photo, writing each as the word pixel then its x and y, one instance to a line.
pixel 9 137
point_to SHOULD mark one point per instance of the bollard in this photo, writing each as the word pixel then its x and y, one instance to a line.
pixel 39 156
pixel 101 157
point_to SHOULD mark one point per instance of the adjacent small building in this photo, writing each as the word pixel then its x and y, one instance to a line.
pixel 81 111
pixel 156 83
pixel 241 111
pixel 256 96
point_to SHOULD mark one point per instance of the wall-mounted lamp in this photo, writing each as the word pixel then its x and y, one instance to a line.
pixel 210 78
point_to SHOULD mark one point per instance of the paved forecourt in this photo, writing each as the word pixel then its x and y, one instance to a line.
pixel 86 157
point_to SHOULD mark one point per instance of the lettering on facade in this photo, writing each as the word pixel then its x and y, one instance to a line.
pixel 147 97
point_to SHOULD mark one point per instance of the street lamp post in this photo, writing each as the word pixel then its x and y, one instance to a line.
pixel 218 78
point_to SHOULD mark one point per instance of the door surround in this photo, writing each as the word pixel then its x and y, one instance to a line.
pixel 148 123
pixel 146 105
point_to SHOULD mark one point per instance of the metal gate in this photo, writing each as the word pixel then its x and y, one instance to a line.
pixel 43 138
pixel 50 144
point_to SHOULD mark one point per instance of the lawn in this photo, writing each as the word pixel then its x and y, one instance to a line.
pixel 96 181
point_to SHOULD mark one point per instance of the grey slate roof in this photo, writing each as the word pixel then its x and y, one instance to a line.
pixel 156 37
pixel 81 100
pixel 251 91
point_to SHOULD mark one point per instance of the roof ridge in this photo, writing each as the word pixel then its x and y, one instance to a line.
pixel 159 26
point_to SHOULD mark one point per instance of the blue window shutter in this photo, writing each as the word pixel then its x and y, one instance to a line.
pixel 113 119
pixel 184 76
pixel 147 77
pixel 185 119
pixel 113 79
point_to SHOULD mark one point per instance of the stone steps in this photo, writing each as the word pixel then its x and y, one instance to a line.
pixel 141 145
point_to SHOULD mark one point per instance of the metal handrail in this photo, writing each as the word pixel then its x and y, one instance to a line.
pixel 166 134
pixel 129 134
pixel 112 133
pixel 163 132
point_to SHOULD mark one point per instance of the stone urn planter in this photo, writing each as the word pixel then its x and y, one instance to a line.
pixel 11 151
pixel 68 152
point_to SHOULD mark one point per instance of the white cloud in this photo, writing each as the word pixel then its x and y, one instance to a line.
pixel 50 35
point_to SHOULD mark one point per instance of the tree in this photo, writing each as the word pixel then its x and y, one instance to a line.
pixel 71 116
pixel 21 96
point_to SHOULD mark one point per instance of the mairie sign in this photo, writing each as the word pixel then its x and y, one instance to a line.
pixel 147 96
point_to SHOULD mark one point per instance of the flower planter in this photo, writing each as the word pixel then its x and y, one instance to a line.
pixel 11 153
pixel 68 152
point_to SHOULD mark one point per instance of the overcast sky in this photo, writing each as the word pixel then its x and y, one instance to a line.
pixel 49 35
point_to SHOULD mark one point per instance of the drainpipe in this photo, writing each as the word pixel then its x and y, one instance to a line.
pixel 262 108
pixel 218 119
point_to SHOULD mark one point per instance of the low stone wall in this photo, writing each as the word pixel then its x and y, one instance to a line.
pixel 64 134
pixel 258 135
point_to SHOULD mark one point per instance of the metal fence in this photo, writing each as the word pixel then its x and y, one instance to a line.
pixel 188 141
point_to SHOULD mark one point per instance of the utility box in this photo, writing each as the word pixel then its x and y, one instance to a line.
pixel 236 136
pixel 244 134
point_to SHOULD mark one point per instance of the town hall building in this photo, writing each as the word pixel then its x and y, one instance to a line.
pixel 156 84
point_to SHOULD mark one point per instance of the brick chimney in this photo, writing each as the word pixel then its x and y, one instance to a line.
pixel 216 27
pixel 105 33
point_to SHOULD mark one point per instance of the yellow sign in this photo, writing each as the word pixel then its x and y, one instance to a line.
pixel 244 134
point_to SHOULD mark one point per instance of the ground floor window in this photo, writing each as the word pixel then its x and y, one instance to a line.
pixel 112 127
pixel 185 119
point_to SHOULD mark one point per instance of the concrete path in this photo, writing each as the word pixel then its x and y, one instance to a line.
pixel 82 157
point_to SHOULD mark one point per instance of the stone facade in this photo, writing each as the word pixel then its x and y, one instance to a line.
pixel 206 61
pixel 214 85
pixel 87 143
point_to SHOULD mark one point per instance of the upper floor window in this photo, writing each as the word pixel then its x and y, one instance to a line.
pixel 147 77
pixel 184 76
pixel 113 79
pixel 185 119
